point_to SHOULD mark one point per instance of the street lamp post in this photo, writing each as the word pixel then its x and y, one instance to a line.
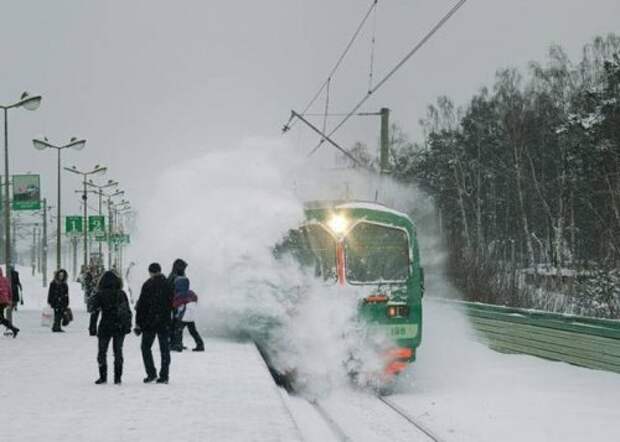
pixel 31 103
pixel 44 261
pixel 76 144
pixel 124 208
pixel 100 193
pixel 111 222
pixel 97 170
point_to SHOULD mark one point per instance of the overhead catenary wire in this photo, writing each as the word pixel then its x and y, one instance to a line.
pixel 389 75
pixel 373 42
pixel 318 93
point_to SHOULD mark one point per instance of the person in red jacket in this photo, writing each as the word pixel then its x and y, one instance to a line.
pixel 6 298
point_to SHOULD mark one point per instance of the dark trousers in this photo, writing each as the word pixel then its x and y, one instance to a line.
pixel 5 321
pixel 102 355
pixel 58 311
pixel 148 337
pixel 176 336
pixel 191 326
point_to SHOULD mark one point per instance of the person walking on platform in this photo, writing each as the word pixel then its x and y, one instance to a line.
pixel 154 319
pixel 58 297
pixel 176 335
pixel 6 300
pixel 185 304
pixel 110 300
pixel 16 288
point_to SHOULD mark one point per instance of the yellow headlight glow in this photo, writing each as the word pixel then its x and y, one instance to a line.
pixel 338 224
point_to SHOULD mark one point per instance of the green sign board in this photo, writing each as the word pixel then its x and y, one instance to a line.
pixel 74 224
pixel 120 238
pixel 26 192
pixel 96 224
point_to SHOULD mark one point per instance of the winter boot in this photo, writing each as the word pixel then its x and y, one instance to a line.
pixel 149 379
pixel 118 374
pixel 162 380
pixel 103 375
pixel 15 331
pixel 199 348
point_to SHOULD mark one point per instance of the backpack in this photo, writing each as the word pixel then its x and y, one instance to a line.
pixel 123 312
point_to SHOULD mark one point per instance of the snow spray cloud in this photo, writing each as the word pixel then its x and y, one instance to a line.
pixel 223 213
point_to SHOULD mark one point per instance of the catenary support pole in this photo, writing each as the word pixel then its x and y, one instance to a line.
pixel 385 140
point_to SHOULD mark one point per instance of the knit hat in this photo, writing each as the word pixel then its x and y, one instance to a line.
pixel 154 268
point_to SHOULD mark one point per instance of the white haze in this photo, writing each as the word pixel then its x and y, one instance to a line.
pixel 223 213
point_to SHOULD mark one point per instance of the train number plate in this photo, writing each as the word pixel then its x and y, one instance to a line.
pixel 399 331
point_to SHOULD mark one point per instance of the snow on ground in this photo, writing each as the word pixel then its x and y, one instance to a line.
pixel 464 391
pixel 47 389
pixel 458 388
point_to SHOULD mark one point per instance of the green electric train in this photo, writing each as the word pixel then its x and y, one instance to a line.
pixel 373 249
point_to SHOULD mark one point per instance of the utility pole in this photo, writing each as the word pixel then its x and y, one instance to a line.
pixel 110 230
pixel 85 201
pixel 34 250
pixel 44 144
pixel 14 240
pixel 38 250
pixel 44 251
pixel 385 140
pixel 97 169
pixel 74 243
pixel 30 103
pixel 101 194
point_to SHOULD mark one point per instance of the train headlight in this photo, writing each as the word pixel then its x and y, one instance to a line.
pixel 338 224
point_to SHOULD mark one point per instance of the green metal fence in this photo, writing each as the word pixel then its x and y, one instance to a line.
pixel 588 342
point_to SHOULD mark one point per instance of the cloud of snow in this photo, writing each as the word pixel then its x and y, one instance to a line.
pixel 223 213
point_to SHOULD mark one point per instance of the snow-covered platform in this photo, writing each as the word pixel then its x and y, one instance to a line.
pixel 48 394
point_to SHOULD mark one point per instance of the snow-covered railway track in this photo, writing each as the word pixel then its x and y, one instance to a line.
pixel 331 423
pixel 352 415
pixel 409 419
pixel 380 419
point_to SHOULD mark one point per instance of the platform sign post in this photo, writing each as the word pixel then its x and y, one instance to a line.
pixel 74 224
pixel 26 192
pixel 96 224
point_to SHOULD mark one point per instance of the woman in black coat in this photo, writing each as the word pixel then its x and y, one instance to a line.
pixel 58 297
pixel 111 301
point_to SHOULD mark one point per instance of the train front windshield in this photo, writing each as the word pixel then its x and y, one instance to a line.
pixel 376 253
pixel 314 248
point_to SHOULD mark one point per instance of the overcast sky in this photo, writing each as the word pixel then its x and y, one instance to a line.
pixel 149 82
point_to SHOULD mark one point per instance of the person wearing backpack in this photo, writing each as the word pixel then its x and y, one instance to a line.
pixel 185 305
pixel 154 319
pixel 111 302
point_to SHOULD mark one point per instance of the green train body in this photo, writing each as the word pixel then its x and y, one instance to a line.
pixel 374 249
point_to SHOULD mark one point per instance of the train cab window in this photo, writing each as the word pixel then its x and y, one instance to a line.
pixel 314 248
pixel 376 253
